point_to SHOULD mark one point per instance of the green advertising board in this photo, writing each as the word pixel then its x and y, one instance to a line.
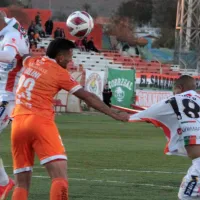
pixel 122 84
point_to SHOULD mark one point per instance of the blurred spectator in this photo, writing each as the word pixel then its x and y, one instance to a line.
pixel 32 40
pixel 107 94
pixel 39 29
pixel 79 45
pixel 125 47
pixel 37 37
pixel 49 26
pixel 37 18
pixel 91 46
pixel 62 33
pixel 31 28
pixel 58 33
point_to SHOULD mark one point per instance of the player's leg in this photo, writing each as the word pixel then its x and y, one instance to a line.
pixel 190 186
pixel 22 185
pixel 23 155
pixel 6 183
pixel 58 173
pixel 51 153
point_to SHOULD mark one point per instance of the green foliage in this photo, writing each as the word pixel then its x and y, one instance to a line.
pixel 4 3
pixel 167 39
pixel 164 13
pixel 138 10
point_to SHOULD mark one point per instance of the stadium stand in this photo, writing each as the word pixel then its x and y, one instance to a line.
pixel 113 59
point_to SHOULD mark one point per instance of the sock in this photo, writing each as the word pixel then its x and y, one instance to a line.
pixel 20 193
pixel 4 180
pixel 59 189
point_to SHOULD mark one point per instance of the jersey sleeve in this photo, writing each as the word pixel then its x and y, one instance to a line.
pixel 67 82
pixel 153 114
pixel 17 41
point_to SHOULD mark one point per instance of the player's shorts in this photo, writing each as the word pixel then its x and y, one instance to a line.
pixel 6 109
pixel 32 134
pixel 190 186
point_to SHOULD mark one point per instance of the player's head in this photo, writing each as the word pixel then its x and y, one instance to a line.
pixel 61 50
pixel 2 20
pixel 183 84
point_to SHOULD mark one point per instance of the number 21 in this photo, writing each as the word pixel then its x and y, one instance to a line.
pixel 28 84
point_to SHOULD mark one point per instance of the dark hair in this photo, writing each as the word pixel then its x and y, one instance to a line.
pixel 57 46
pixel 186 81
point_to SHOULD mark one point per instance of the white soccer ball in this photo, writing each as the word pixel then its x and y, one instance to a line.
pixel 80 24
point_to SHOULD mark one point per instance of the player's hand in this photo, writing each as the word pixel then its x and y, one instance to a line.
pixel 124 117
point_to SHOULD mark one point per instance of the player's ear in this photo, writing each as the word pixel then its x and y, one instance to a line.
pixel 178 89
pixel 60 58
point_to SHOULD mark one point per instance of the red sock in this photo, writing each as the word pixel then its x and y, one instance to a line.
pixel 20 193
pixel 59 189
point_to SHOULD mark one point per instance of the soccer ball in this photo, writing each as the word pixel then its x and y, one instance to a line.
pixel 80 24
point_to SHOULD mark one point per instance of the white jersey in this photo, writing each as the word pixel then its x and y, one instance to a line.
pixel 12 35
pixel 179 117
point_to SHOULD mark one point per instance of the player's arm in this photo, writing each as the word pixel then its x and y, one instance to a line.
pixel 8 54
pixel 66 82
pixel 154 112
pixel 95 102
pixel 10 47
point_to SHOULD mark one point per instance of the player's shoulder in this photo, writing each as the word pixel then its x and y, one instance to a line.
pixel 12 34
pixel 28 60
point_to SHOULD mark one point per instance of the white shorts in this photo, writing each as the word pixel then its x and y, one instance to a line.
pixel 6 109
pixel 190 186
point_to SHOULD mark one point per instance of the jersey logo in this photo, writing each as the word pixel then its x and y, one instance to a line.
pixel 191 185
pixel 7 66
pixel 1 37
pixel 3 107
pixel 13 40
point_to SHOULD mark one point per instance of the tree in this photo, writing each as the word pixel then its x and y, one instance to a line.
pixel 164 16
pixel 4 3
pixel 138 10
pixel 60 16
pixel 164 13
pixel 87 7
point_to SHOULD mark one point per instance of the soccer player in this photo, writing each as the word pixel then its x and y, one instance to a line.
pixel 179 117
pixel 33 126
pixel 13 46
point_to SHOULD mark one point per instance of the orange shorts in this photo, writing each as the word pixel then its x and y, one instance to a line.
pixel 34 134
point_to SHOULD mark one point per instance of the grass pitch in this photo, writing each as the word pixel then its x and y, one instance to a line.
pixel 109 160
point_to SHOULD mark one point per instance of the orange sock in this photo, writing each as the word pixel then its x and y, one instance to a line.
pixel 20 193
pixel 59 189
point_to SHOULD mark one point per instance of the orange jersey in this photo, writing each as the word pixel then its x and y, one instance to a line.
pixel 41 80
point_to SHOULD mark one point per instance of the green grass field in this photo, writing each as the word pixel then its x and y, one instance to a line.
pixel 110 160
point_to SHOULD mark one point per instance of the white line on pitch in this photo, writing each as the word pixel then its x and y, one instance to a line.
pixel 118 170
pixel 115 182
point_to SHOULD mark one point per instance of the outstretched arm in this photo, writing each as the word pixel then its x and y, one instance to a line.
pixel 94 101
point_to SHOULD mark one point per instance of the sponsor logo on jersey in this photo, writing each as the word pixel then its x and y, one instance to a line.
pixel 191 185
pixel 7 66
pixel 187 129
pixel 187 122
pixel 179 131
pixel 13 40
pixel 3 107
pixel 1 37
